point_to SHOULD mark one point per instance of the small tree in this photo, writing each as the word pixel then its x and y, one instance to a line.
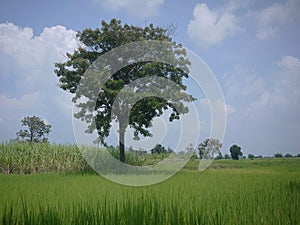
pixel 219 156
pixel 37 129
pixel 159 149
pixel 251 156
pixel 288 155
pixel 278 155
pixel 191 150
pixel 208 148
pixel 226 156
pixel 235 152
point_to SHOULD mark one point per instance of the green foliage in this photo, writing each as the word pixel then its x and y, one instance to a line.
pixel 24 158
pixel 251 156
pixel 138 157
pixel 209 148
pixel 288 155
pixel 37 129
pixel 278 155
pixel 235 152
pixel 98 42
pixel 220 156
pixel 267 192
pixel 270 165
pixel 194 156
pixel 226 156
pixel 158 149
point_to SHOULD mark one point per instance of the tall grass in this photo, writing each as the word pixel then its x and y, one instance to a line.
pixel 215 196
pixel 25 157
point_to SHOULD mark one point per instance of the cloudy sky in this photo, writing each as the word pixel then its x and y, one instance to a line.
pixel 252 47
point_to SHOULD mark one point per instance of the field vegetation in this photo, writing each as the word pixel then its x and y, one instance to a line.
pixel 258 191
pixel 25 157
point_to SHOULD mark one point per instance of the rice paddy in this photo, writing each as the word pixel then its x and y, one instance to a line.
pixel 259 191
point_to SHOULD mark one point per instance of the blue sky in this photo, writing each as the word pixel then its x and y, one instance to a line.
pixel 253 48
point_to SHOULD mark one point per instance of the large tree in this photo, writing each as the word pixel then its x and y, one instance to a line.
pixel 36 130
pixel 96 43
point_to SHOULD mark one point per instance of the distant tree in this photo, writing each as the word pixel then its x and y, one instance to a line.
pixel 278 155
pixel 159 149
pixel 298 155
pixel 226 156
pixel 251 156
pixel 209 148
pixel 288 155
pixel 170 150
pixel 260 156
pixel 36 129
pixel 235 152
pixel 219 156
pixel 190 149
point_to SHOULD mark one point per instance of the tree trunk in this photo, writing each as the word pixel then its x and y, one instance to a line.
pixel 121 144
pixel 31 137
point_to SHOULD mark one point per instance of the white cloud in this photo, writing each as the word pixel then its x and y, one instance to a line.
pixel 138 8
pixel 261 102
pixel 266 32
pixel 209 27
pixel 28 50
pixel 24 102
pixel 289 78
pixel 272 18
pixel 27 81
pixel 289 63
pixel 275 13
pixel 233 5
pixel 245 83
pixel 267 107
pixel 264 96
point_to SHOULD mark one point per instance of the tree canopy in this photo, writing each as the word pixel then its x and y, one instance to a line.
pixel 209 148
pixel 96 43
pixel 36 131
pixel 159 149
pixel 235 152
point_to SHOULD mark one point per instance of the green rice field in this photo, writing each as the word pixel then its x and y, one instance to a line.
pixel 259 191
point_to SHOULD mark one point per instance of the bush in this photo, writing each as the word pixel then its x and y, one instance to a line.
pixel 251 156
pixel 278 155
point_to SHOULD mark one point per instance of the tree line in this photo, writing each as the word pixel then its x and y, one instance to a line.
pixel 37 131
